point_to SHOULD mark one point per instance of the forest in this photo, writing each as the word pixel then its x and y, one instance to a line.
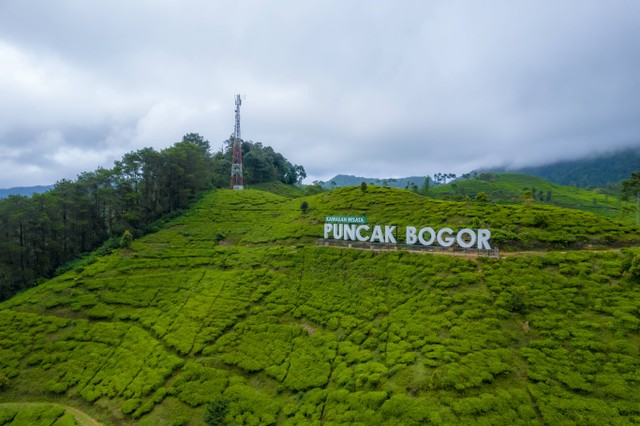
pixel 107 207
pixel 231 314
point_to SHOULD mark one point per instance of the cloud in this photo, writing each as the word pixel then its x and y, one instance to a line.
pixel 383 89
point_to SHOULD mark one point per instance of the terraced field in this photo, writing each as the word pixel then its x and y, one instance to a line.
pixel 232 313
pixel 509 188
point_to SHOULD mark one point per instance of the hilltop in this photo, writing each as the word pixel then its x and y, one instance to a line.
pixel 233 306
pixel 595 171
pixel 509 188
pixel 351 180
pixel 25 190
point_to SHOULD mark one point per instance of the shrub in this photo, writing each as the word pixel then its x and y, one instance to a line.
pixel 4 381
pixel 180 421
pixel 126 239
pixel 216 411
pixel 634 270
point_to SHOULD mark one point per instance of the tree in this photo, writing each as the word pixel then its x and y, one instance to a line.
pixel 216 412
pixel 631 188
pixel 481 197
pixel 363 187
pixel 426 184
pixel 38 235
pixel 295 174
pixel 304 206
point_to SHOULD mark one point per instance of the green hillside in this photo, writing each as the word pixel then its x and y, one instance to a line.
pixel 232 310
pixel 593 171
pixel 509 188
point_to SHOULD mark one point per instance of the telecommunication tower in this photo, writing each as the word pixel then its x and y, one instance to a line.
pixel 237 180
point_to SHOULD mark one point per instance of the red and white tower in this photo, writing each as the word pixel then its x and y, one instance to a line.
pixel 237 180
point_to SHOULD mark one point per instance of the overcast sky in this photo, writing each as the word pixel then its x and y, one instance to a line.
pixel 371 88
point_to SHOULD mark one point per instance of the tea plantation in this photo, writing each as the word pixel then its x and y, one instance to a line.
pixel 233 313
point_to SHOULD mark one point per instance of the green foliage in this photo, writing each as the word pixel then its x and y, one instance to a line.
pixel 304 206
pixel 590 172
pixel 7 415
pixel 216 412
pixel 126 239
pixel 266 327
pixel 481 197
pixel 509 188
pixel 36 415
pixel 4 381
pixel 48 233
pixel 631 188
pixel 634 269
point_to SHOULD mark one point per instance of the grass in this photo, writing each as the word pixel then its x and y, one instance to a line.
pixel 234 300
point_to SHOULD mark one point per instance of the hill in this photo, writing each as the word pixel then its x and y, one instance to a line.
pixel 232 306
pixel 595 171
pixel 25 190
pixel 351 180
pixel 509 188
pixel 591 172
pixel 41 233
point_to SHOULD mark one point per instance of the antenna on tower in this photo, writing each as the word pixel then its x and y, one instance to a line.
pixel 237 180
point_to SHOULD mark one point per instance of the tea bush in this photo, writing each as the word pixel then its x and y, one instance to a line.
pixel 289 332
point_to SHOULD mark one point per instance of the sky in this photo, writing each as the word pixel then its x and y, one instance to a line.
pixel 371 88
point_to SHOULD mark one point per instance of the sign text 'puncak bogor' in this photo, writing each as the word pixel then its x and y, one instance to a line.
pixel 427 236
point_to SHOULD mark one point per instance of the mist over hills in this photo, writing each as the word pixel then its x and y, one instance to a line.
pixel 350 180
pixel 595 171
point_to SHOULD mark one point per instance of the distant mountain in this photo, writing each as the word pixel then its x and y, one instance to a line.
pixel 594 171
pixel 350 180
pixel 25 190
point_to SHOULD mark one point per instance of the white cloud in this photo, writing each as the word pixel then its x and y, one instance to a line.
pixel 392 89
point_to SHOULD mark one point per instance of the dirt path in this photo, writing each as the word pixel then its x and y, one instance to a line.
pixel 472 255
pixel 81 417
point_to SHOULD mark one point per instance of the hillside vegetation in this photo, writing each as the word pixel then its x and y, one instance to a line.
pixel 509 188
pixel 38 235
pixel 233 308
pixel 596 171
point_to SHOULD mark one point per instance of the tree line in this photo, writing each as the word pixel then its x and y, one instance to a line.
pixel 38 234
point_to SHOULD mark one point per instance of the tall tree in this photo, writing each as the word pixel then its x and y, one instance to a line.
pixel 631 188
pixel 41 233
pixel 426 184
